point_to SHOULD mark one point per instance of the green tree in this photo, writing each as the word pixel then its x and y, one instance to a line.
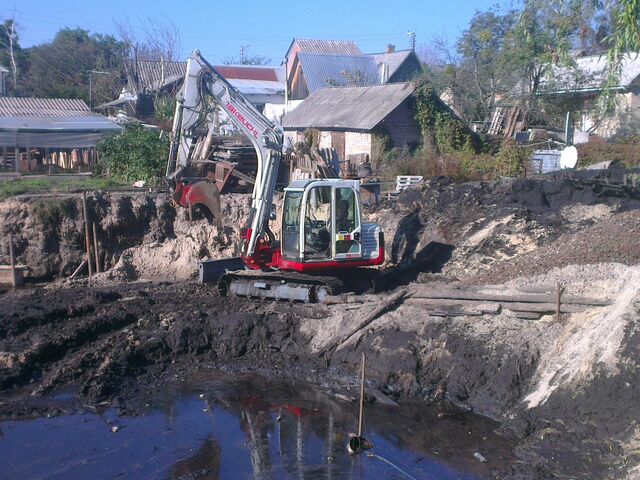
pixel 61 68
pixel 484 69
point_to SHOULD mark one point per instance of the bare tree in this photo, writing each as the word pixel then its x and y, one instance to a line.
pixel 11 37
pixel 159 41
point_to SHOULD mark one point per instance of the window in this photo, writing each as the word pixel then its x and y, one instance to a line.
pixel 291 224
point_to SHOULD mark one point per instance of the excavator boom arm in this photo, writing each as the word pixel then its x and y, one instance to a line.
pixel 191 110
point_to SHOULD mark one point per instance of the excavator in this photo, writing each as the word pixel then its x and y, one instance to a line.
pixel 323 240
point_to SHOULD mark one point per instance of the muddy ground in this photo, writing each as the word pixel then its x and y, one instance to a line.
pixel 567 389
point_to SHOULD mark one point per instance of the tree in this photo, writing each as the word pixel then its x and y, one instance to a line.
pixel 9 48
pixel 483 61
pixel 62 67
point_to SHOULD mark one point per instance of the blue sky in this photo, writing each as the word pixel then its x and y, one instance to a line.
pixel 219 28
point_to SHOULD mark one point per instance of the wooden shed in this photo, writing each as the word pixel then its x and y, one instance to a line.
pixel 348 117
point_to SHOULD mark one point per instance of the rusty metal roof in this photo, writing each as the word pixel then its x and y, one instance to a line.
pixel 43 107
pixel 348 108
pixel 153 75
pixel 328 47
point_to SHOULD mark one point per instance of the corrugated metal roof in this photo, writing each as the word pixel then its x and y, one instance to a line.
pixel 43 107
pixel 155 74
pixel 393 59
pixel 50 114
pixel 590 73
pixel 93 123
pixel 329 47
pixel 321 71
pixel 348 108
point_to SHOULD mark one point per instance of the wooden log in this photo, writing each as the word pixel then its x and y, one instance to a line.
pixel 386 305
pixel 96 252
pixel 86 232
pixel 476 294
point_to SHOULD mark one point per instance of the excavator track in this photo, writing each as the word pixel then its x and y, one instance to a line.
pixel 291 286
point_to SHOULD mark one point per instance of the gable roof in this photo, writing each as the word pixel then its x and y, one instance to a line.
pixel 4 69
pixel 321 71
pixel 248 79
pixel 50 114
pixel 393 59
pixel 326 47
pixel 590 73
pixel 348 108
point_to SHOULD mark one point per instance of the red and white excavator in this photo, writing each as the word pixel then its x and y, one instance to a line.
pixel 322 236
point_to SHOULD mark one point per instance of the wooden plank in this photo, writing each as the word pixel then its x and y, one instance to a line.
pixel 476 294
pixel 482 307
pixel 441 304
pixel 527 315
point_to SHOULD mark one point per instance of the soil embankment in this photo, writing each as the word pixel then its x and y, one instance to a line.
pixel 567 387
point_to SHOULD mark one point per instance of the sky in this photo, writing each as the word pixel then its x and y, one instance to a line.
pixel 265 28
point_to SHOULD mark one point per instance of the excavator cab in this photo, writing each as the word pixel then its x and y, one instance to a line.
pixel 321 223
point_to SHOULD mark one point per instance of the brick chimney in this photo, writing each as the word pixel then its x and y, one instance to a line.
pixel 391 48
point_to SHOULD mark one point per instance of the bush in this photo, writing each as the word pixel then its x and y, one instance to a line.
pixel 509 161
pixel 133 154
pixel 592 152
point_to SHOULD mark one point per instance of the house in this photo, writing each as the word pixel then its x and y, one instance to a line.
pixel 261 85
pixel 44 131
pixel 583 83
pixel 4 73
pixel 347 118
pixel 311 65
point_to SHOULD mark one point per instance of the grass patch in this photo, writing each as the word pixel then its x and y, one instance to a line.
pixel 28 185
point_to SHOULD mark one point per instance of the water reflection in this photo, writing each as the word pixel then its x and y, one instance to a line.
pixel 222 427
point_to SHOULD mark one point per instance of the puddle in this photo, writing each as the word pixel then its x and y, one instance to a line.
pixel 218 426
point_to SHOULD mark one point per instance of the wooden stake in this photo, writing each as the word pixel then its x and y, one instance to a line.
pixel 12 257
pixel 86 232
pixel 78 270
pixel 559 290
pixel 360 417
pixel 96 253
pixel 190 212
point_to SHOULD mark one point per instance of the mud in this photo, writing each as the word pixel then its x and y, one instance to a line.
pixel 566 390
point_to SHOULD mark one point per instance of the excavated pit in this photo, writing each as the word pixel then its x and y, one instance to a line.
pixel 567 389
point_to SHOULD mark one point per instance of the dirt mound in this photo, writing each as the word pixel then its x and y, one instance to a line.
pixel 488 223
pixel 143 235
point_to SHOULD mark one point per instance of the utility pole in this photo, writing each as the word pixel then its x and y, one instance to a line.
pixel 100 72
pixel 243 49
pixel 412 37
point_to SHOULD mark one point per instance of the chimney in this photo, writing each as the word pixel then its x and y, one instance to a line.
pixel 391 48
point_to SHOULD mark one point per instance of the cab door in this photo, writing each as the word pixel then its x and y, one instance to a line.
pixel 347 225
